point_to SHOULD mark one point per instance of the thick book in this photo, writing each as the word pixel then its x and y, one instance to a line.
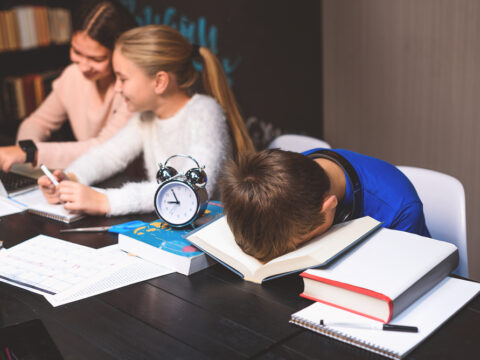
pixel 217 240
pixel 384 275
pixel 161 244
pixel 427 313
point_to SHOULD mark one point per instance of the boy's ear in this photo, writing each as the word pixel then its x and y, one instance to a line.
pixel 162 79
pixel 329 203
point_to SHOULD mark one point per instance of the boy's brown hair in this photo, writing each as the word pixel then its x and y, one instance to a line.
pixel 270 197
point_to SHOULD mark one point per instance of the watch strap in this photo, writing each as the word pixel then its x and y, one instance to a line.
pixel 28 146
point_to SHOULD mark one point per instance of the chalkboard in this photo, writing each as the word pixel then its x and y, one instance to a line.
pixel 271 52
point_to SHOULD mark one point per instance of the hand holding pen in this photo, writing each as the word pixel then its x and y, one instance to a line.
pixel 76 197
pixel 48 184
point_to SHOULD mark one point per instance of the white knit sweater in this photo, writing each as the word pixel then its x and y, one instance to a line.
pixel 198 129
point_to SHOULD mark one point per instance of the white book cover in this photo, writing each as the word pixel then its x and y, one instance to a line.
pixel 389 262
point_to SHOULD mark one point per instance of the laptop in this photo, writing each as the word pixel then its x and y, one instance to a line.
pixel 12 184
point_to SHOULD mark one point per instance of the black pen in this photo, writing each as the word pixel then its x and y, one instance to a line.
pixel 384 327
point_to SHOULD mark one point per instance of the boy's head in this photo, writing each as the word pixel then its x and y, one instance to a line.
pixel 275 200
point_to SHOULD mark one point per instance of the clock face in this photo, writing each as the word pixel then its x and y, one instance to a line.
pixel 176 203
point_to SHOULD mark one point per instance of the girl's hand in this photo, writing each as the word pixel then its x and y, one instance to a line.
pixel 10 155
pixel 82 198
pixel 48 189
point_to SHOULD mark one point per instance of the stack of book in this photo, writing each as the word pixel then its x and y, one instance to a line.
pixel 25 27
pixel 393 277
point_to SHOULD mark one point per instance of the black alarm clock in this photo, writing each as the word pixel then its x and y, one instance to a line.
pixel 181 197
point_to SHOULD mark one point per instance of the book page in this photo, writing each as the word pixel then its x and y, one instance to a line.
pixel 427 313
pixel 218 240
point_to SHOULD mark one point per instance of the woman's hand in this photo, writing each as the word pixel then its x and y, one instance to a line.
pixel 48 189
pixel 10 155
pixel 82 198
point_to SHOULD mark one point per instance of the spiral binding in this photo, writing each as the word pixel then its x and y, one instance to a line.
pixel 338 335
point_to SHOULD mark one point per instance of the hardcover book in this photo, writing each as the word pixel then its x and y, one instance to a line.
pixel 384 275
pixel 217 240
pixel 161 244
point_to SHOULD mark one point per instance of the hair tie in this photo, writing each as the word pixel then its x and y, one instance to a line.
pixel 195 50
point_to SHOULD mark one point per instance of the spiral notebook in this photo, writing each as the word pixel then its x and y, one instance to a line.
pixel 35 203
pixel 428 313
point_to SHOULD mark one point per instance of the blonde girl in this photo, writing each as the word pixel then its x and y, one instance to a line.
pixel 155 75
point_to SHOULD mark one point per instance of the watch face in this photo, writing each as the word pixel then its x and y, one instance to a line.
pixel 176 203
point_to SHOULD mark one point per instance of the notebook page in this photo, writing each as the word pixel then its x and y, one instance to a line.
pixel 427 313
pixel 8 207
pixel 35 200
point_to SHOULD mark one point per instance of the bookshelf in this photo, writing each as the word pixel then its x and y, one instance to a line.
pixel 40 53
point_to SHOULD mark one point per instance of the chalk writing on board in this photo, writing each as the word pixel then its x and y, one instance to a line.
pixel 196 31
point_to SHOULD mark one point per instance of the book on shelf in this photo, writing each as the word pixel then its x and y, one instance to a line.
pixel 382 276
pixel 161 244
pixel 217 240
pixel 427 313
pixel 25 27
pixel 23 94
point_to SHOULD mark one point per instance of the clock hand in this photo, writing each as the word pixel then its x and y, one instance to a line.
pixel 173 202
pixel 175 196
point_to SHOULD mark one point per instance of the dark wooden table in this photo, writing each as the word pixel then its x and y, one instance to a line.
pixel 212 314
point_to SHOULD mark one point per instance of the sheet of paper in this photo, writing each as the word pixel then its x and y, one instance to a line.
pixel 64 272
pixel 123 270
pixel 47 265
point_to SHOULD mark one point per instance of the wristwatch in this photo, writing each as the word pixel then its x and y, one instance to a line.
pixel 30 149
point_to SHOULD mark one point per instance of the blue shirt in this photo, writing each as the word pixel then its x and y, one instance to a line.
pixel 387 194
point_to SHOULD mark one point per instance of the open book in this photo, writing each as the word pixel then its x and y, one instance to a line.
pixel 217 240
pixel 383 275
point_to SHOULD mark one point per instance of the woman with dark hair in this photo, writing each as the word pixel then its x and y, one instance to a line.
pixel 83 94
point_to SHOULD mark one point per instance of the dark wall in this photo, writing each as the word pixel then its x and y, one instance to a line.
pixel 270 51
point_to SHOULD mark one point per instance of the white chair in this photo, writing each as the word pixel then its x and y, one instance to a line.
pixel 297 143
pixel 443 200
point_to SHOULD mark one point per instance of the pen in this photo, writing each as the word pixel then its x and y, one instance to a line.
pixel 384 327
pixel 49 174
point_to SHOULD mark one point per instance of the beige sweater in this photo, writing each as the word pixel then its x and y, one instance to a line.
pixel 76 99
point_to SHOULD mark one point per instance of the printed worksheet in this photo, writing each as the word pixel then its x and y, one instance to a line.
pixel 64 271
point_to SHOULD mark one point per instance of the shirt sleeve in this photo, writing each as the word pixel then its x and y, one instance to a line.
pixel 110 157
pixel 210 142
pixel 411 219
pixel 47 118
pixel 60 154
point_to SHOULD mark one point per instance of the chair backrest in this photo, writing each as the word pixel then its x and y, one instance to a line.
pixel 297 143
pixel 443 199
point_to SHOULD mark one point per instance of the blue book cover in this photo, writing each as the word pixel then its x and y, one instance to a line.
pixel 162 236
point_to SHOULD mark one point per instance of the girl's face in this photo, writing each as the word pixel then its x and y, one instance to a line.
pixel 93 59
pixel 135 86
